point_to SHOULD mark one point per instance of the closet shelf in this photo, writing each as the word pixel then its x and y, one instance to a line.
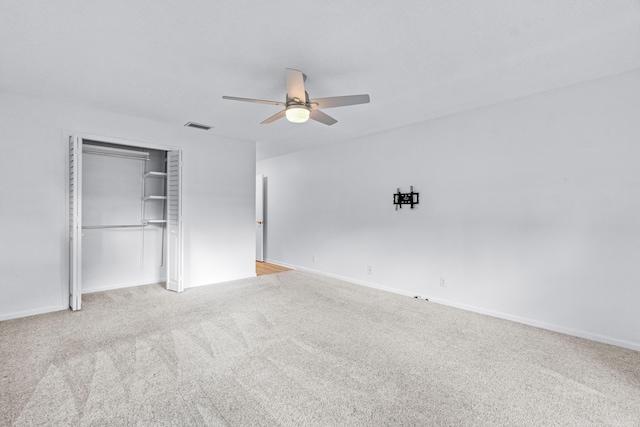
pixel 154 221
pixel 155 175
pixel 155 198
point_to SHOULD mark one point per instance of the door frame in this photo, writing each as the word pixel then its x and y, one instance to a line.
pixel 260 181
pixel 75 272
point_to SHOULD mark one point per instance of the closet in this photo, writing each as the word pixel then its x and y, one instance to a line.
pixel 125 215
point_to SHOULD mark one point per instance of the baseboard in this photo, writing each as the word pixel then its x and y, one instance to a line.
pixel 35 312
pixel 500 315
pixel 543 325
pixel 343 278
pixel 114 287
pixel 246 275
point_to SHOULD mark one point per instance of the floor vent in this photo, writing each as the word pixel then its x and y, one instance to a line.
pixel 197 126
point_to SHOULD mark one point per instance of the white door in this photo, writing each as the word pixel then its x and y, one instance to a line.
pixel 75 222
pixel 174 221
pixel 259 218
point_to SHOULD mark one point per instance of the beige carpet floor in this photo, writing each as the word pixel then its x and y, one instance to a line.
pixel 294 349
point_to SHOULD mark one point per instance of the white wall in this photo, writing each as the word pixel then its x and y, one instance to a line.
pixel 218 202
pixel 529 210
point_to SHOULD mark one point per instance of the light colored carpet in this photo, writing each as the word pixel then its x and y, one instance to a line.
pixel 294 349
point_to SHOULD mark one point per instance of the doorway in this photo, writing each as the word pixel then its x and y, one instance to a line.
pixel 263 268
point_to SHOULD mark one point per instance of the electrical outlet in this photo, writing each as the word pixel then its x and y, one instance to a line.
pixel 313 258
pixel 443 283
pixel 369 269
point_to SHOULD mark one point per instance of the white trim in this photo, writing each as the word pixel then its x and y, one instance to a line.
pixel 343 278
pixel 122 286
pixel 498 314
pixel 121 141
pixel 221 281
pixel 27 313
pixel 542 325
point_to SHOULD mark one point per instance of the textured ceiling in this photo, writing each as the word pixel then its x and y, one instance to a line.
pixel 172 61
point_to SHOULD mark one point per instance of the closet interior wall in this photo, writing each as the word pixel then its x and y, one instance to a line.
pixel 114 190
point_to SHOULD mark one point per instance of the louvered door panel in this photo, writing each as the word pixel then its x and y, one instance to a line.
pixel 75 223
pixel 174 221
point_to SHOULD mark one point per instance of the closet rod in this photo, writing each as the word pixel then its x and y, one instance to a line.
pixel 116 155
pixel 114 226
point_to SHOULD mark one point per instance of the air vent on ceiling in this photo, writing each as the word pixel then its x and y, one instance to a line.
pixel 197 126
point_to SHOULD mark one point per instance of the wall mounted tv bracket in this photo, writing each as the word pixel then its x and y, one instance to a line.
pixel 410 198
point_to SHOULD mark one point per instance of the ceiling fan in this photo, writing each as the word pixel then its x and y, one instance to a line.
pixel 298 107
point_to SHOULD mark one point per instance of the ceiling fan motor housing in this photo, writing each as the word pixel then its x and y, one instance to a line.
pixel 297 101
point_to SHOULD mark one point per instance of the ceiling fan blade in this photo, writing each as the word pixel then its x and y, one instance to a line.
pixel 259 101
pixel 339 101
pixel 275 117
pixel 321 117
pixel 295 85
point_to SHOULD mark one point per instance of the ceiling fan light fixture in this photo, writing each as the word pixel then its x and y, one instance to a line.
pixel 297 114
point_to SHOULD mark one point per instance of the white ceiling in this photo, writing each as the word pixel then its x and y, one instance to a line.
pixel 172 61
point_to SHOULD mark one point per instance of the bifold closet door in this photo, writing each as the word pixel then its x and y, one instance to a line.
pixel 174 221
pixel 75 222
